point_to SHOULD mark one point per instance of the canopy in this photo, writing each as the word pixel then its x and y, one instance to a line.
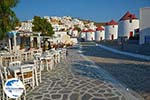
pixel 12 33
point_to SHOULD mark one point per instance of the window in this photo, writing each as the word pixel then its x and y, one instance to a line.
pixel 59 35
pixel 130 21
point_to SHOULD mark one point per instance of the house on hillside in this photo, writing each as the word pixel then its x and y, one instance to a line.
pixel 74 32
pixel 26 26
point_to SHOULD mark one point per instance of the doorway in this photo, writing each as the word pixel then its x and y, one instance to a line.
pixel 112 37
pixel 101 38
pixel 131 34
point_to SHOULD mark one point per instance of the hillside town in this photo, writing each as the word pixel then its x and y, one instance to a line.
pixel 69 30
pixel 68 58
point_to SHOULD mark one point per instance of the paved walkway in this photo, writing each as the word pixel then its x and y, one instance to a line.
pixel 133 73
pixel 75 79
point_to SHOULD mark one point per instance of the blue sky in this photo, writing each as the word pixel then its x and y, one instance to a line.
pixel 96 10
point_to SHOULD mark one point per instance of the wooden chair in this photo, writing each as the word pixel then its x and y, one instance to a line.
pixel 59 56
pixel 38 70
pixel 48 61
pixel 27 75
pixel 37 56
pixel 4 76
pixel 55 59
pixel 62 56
pixel 2 82
pixel 15 63
pixel 5 61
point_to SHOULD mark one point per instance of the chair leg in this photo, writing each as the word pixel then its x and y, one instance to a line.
pixel 40 77
pixel 36 77
pixel 33 81
pixel 51 63
pixel 24 95
pixel 6 97
pixel 47 65
pixel 3 96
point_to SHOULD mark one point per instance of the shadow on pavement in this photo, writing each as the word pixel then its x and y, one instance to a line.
pixel 99 52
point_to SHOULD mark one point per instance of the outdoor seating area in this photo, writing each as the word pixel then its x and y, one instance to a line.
pixel 28 66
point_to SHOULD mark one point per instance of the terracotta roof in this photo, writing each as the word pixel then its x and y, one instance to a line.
pixel 112 22
pixel 90 30
pixel 84 30
pixel 99 29
pixel 128 16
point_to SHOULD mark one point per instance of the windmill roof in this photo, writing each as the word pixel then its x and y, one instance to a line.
pixel 112 22
pixel 128 16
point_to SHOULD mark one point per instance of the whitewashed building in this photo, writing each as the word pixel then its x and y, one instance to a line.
pixel 145 26
pixel 92 26
pixel 61 37
pixel 99 34
pixel 90 35
pixel 128 25
pixel 111 30
pixel 74 33
pixel 70 31
pixel 83 34
pixel 26 26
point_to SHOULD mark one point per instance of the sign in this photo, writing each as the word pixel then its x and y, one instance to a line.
pixel 14 88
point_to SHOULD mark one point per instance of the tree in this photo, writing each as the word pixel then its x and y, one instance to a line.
pixel 43 26
pixel 8 19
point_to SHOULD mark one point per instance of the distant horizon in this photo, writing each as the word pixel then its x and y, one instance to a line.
pixel 93 10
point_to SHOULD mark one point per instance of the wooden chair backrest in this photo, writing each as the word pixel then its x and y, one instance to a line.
pixel 15 63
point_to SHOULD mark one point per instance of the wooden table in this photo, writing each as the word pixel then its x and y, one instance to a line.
pixel 46 58
pixel 27 67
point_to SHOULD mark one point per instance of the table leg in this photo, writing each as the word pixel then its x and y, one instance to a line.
pixel 36 77
pixel 15 74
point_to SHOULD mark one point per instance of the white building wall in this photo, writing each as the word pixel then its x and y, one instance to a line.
pixel 90 36
pixel 99 35
pixel 70 32
pixel 111 30
pixel 75 33
pixel 125 27
pixel 83 35
pixel 26 26
pixel 144 24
